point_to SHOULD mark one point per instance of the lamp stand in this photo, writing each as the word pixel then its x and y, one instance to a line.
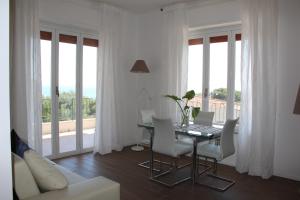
pixel 139 67
pixel 137 147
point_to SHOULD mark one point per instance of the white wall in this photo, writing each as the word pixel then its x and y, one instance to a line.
pixel 287 159
pixel 83 14
pixel 219 12
pixel 5 156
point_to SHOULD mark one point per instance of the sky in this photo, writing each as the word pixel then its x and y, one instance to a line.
pixel 67 68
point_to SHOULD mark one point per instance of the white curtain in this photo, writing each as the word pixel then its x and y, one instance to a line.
pixel 108 129
pixel 255 151
pixel 26 75
pixel 175 52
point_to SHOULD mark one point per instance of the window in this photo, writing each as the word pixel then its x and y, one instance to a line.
pixel 238 84
pixel 89 72
pixel 195 70
pixel 46 63
pixel 218 60
pixel 214 72
pixel 68 73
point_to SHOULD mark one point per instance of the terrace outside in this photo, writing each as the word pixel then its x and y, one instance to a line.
pixel 67 124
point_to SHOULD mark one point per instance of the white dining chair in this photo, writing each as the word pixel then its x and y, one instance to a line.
pixel 204 118
pixel 146 118
pixel 217 153
pixel 164 142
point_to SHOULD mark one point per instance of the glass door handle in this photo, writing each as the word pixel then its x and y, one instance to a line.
pixel 205 92
pixel 57 91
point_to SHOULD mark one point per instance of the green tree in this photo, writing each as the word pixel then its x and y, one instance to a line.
pixel 221 93
pixel 67 107
pixel 46 111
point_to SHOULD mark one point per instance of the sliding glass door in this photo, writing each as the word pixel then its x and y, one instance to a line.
pixel 89 72
pixel 68 68
pixel 46 71
pixel 218 61
pixel 66 92
pixel 195 70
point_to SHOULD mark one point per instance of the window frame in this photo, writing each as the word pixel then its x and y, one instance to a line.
pixel 205 34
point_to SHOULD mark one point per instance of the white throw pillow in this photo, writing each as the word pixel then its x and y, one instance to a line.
pixel 46 175
pixel 24 183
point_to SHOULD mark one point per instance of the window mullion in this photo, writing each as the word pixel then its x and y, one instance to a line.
pixel 79 93
pixel 205 88
pixel 230 76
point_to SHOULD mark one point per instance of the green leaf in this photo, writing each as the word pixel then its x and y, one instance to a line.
pixel 195 112
pixel 189 95
pixel 175 98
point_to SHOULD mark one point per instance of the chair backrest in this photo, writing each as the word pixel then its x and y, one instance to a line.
pixel 204 118
pixel 227 142
pixel 164 136
pixel 147 115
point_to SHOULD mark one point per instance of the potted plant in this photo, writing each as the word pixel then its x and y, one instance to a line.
pixel 184 107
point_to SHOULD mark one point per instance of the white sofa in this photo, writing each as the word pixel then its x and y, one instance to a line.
pixel 79 188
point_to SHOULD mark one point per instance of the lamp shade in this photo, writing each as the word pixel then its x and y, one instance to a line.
pixel 297 104
pixel 140 67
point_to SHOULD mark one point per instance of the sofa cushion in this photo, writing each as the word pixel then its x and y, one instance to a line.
pixel 24 183
pixel 46 175
pixel 92 189
pixel 71 177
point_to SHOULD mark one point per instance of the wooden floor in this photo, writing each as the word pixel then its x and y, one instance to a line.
pixel 135 185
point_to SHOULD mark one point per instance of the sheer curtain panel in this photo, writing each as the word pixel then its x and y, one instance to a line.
pixel 108 128
pixel 26 75
pixel 175 52
pixel 255 150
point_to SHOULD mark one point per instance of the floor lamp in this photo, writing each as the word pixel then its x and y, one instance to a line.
pixel 139 67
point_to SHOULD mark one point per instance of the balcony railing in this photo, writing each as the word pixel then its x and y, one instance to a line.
pixel 67 109
pixel 218 107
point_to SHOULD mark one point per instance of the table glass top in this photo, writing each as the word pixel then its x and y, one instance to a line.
pixel 195 130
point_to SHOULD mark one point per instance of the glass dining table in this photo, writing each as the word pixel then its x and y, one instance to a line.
pixel 198 133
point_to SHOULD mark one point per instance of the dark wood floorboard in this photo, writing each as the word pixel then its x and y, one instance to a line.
pixel 135 185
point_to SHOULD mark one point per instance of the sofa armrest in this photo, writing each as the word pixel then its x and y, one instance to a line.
pixel 91 189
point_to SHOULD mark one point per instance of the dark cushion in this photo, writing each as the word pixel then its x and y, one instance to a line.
pixel 18 146
pixel 15 196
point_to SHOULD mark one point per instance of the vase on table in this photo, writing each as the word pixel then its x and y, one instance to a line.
pixel 185 120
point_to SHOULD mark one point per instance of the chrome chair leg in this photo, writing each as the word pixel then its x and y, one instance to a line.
pixel 206 166
pixel 146 164
pixel 173 167
pixel 213 175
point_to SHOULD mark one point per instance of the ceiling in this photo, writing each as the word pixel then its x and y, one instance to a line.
pixel 141 6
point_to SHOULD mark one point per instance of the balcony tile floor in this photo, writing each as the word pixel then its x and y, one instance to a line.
pixel 67 141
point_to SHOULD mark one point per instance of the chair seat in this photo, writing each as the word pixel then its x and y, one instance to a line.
pixel 210 150
pixel 185 140
pixel 145 141
pixel 181 149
